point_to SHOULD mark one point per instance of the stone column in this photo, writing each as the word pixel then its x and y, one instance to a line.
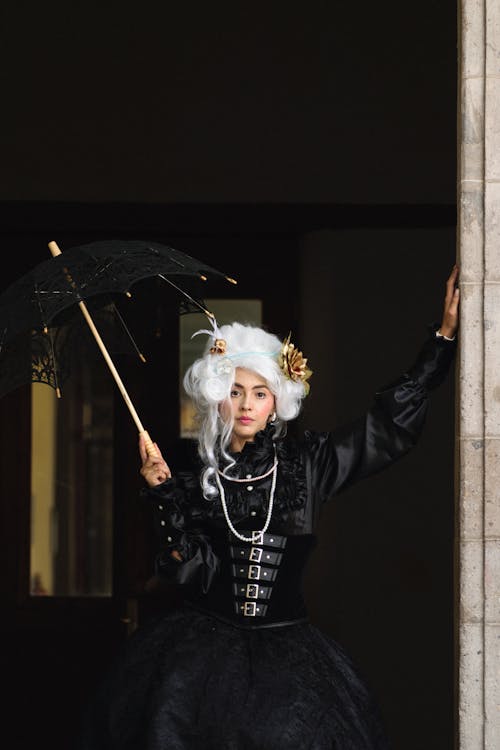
pixel 478 537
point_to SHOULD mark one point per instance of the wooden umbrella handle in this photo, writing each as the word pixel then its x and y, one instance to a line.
pixel 55 250
pixel 148 444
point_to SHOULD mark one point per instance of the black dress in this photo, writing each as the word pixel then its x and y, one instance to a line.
pixel 238 666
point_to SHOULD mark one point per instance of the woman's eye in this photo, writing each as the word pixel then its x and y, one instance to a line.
pixel 235 394
pixel 261 394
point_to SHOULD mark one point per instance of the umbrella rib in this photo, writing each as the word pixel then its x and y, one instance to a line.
pixel 51 342
pixel 174 260
pixel 127 331
pixel 207 312
pixel 40 309
pixel 54 364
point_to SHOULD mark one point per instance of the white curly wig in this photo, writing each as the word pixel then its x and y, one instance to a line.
pixel 209 381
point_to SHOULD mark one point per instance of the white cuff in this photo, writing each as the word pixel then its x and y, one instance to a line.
pixel 441 336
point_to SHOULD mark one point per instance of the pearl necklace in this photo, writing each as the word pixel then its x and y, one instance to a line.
pixel 274 471
pixel 250 479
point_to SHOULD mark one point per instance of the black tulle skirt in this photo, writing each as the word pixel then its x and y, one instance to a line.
pixel 189 681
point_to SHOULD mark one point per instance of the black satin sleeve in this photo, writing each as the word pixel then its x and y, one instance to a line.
pixel 178 528
pixel 389 429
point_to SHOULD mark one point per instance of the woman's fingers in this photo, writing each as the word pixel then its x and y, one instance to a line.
pixel 452 291
pixel 154 462
pixel 155 474
pixel 449 323
pixel 450 285
pixel 453 308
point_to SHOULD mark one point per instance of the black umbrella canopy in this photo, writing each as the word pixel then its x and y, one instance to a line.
pixel 41 323
pixel 98 268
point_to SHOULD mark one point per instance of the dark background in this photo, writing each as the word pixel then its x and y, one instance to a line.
pixel 324 102
pixel 310 151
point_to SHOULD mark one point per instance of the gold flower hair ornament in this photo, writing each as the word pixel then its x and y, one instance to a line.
pixel 219 347
pixel 293 364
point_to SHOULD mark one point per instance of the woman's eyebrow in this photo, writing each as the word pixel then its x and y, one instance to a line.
pixel 238 385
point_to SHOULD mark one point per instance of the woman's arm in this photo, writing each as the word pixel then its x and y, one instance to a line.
pixel 393 424
pixel 186 555
pixel 155 471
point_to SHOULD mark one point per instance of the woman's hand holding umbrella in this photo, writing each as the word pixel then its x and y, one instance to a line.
pixel 154 468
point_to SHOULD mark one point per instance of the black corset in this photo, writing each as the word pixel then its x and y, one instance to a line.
pixel 259 582
pixel 255 568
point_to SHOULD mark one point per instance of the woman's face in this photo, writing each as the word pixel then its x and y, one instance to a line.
pixel 250 405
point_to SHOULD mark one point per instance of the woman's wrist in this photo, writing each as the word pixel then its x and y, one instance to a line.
pixel 445 334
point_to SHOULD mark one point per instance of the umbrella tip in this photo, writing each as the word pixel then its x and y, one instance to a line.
pixel 54 248
pixel 203 278
pixel 231 281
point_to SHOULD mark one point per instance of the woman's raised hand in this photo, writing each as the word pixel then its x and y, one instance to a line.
pixel 449 322
pixel 154 469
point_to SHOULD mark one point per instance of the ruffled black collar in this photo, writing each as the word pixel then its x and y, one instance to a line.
pixel 256 458
pixel 262 446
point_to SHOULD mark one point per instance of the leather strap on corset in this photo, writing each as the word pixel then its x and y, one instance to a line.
pixel 256 555
pixel 268 540
pixel 250 609
pixel 252 590
pixel 255 572
pixel 255 577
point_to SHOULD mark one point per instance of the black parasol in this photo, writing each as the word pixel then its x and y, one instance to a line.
pixel 49 310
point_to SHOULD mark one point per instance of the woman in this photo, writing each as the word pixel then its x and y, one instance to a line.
pixel 238 666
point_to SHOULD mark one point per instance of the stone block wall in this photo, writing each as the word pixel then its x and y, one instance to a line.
pixel 478 488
